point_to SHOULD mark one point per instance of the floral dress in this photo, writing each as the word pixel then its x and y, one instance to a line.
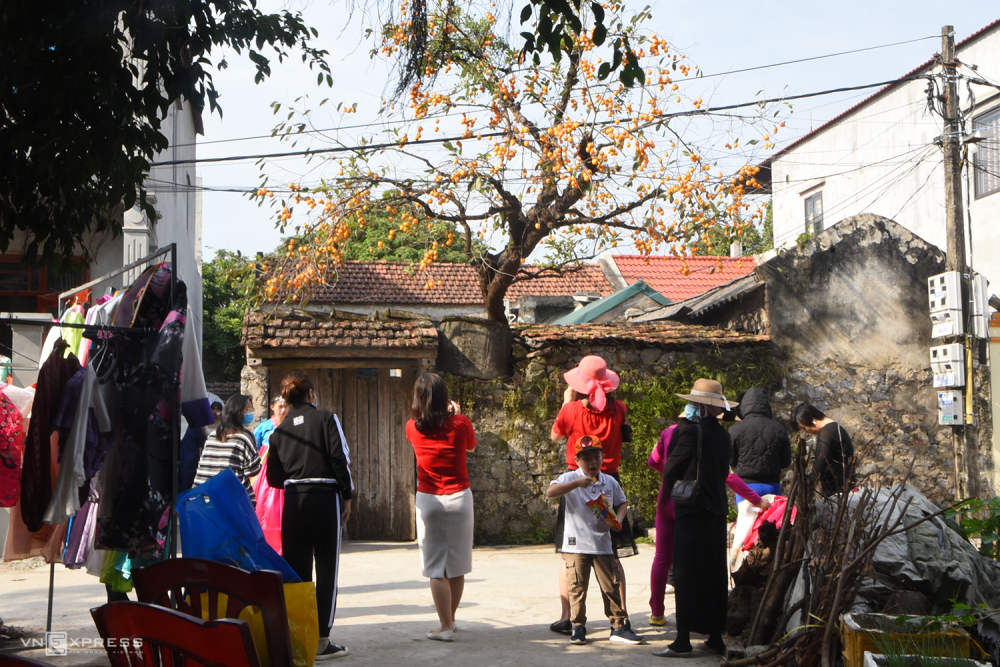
pixel 11 447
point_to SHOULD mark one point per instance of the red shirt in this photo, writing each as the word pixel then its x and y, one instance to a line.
pixel 441 455
pixel 576 420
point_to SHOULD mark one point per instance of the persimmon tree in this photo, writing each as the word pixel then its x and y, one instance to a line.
pixel 559 159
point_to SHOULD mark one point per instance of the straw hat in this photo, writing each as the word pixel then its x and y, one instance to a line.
pixel 708 392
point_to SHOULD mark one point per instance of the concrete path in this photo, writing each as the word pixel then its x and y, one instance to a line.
pixel 385 609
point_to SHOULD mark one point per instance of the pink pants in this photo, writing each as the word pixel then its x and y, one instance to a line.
pixel 665 522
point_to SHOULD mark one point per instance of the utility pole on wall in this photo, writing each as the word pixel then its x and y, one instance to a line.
pixel 954 219
pixel 964 433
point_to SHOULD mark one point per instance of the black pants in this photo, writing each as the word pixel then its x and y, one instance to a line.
pixel 310 524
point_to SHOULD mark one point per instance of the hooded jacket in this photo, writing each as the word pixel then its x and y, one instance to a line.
pixel 761 447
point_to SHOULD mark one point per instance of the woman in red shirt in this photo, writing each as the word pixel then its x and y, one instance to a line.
pixel 590 408
pixel 441 436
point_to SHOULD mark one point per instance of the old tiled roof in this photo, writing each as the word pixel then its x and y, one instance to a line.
pixel 287 332
pixel 541 335
pixel 400 283
pixel 664 273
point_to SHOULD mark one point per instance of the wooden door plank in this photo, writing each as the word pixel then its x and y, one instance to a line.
pixel 366 506
pixel 337 392
pixel 374 469
pixel 405 474
pixel 324 388
pixel 385 443
pixel 349 422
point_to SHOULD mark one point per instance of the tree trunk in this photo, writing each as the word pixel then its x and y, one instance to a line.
pixel 494 281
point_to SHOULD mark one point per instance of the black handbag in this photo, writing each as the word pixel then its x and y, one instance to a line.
pixel 685 491
pixel 626 427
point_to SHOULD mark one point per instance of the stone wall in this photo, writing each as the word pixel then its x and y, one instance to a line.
pixel 515 460
pixel 849 312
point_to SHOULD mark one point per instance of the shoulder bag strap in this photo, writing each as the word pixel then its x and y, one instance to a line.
pixel 697 474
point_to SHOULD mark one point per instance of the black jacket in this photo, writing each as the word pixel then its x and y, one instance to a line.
pixel 307 445
pixel 761 447
pixel 715 446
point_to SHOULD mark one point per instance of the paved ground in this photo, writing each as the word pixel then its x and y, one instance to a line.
pixel 385 609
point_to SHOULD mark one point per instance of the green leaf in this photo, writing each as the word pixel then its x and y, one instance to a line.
pixel 603 71
pixel 598 13
pixel 600 35
pixel 525 13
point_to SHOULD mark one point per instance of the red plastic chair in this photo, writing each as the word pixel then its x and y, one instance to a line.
pixel 179 582
pixel 9 660
pixel 136 634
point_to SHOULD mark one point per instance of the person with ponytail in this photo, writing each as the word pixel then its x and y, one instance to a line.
pixel 590 408
pixel 309 458
pixel 232 445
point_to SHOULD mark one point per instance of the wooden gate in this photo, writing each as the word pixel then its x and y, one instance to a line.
pixel 373 404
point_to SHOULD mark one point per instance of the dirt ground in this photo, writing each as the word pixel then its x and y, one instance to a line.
pixel 385 609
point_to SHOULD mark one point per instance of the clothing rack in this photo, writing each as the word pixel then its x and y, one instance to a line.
pixel 170 249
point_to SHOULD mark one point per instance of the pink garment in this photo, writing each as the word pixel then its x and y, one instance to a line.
pixel 270 503
pixel 775 514
pixel 666 521
pixel 658 457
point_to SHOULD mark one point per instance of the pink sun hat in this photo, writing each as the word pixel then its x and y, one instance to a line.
pixel 592 377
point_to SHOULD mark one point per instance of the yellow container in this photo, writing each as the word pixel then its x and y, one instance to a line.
pixel 858 632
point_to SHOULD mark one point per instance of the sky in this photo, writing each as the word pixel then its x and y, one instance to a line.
pixel 719 36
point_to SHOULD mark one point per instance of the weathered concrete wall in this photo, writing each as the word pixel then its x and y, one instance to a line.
pixel 849 312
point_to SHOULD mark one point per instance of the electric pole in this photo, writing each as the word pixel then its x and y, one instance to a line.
pixel 954 220
pixel 964 435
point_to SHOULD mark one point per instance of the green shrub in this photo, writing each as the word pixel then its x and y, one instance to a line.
pixel 653 405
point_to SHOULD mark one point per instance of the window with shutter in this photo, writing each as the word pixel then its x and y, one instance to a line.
pixel 987 160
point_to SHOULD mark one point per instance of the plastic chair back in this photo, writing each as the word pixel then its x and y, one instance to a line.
pixel 136 634
pixel 178 583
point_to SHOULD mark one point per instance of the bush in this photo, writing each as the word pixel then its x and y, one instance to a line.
pixel 653 406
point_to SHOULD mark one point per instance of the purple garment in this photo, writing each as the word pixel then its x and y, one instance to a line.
pixel 81 536
pixel 70 403
pixel 96 444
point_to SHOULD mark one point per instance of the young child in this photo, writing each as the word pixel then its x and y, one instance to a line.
pixel 587 540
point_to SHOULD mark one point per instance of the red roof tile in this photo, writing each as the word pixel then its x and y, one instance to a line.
pixel 664 274
pixel 401 283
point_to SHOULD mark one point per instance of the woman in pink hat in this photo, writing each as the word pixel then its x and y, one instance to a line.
pixel 589 408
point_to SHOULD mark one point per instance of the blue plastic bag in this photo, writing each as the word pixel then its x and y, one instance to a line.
pixel 218 522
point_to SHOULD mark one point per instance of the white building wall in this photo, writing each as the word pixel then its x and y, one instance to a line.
pixel 175 189
pixel 881 159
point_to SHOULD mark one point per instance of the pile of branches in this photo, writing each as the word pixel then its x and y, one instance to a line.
pixel 831 546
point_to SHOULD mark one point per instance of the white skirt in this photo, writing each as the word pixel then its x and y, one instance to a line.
pixel 444 533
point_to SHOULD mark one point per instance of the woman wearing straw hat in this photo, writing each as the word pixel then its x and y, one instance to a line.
pixel 700 451
pixel 590 408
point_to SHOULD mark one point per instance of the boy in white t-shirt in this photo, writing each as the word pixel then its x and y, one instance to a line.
pixel 587 540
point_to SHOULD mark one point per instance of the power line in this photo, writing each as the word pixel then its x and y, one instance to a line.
pixel 700 76
pixel 441 140
pixel 805 60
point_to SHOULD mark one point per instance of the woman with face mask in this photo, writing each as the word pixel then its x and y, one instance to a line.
pixel 666 520
pixel 699 450
pixel 232 445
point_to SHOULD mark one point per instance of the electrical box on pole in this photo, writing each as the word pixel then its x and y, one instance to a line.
pixel 950 407
pixel 944 294
pixel 948 365
pixel 979 316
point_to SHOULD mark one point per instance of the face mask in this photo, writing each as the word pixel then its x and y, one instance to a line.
pixel 691 413
pixel 247 418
